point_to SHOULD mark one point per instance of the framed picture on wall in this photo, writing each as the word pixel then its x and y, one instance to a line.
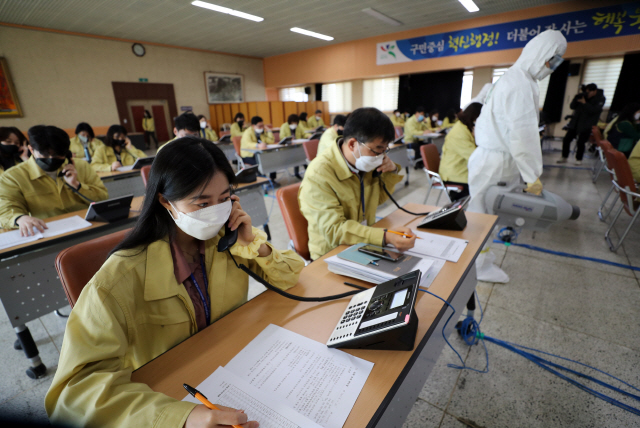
pixel 224 88
pixel 9 105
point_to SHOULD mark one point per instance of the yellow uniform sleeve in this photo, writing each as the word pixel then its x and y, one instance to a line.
pixel 92 386
pixel 235 130
pixel 91 185
pixel 412 128
pixel 267 137
pixel 285 131
pixel 100 161
pixel 280 268
pixel 136 153
pixel 12 202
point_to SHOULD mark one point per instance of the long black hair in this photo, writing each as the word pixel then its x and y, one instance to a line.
pixel 303 116
pixel 179 169
pixel 470 114
pixel 113 130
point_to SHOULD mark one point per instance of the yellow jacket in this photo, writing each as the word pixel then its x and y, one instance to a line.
pixel 329 199
pixel 235 130
pixel 249 140
pixel 105 156
pixel 77 148
pixel 285 131
pixel 25 189
pixel 413 127
pixel 132 311
pixel 328 139
pixel 209 134
pixel 447 124
pixel 148 124
pixel 314 123
pixel 458 146
pixel 304 127
pixel 634 162
pixel 397 121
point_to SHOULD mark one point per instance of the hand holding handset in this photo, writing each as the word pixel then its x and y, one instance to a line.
pixel 63 174
pixel 230 236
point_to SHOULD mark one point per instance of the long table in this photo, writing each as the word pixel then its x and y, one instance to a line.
pixel 122 183
pixel 30 284
pixel 397 376
pixel 279 158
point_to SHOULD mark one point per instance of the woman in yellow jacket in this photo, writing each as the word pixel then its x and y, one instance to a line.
pixel 162 284
pixel 117 151
pixel 397 118
pixel 458 146
pixel 450 119
pixel 84 138
pixel 291 128
pixel 13 147
pixel 238 126
pixel 149 127
pixel 205 130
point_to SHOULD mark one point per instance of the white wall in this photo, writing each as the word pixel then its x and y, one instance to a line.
pixel 63 79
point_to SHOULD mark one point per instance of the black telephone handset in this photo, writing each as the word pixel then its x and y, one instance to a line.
pixel 69 157
pixel 230 237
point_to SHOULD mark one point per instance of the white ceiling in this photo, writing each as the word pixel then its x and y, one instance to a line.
pixel 177 22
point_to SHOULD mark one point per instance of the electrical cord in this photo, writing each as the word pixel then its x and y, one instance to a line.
pixel 384 187
pixel 74 190
pixel 288 295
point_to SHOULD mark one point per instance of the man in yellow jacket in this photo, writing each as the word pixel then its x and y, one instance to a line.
pixel 185 124
pixel 342 187
pixel 84 138
pixel 205 130
pixel 397 118
pixel 47 184
pixel 415 125
pixel 332 133
pixel 291 129
pixel 316 120
pixel 257 136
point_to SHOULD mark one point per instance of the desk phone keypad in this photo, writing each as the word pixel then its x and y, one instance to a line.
pixel 348 324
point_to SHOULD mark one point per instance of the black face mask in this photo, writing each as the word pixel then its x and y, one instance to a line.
pixel 241 123
pixel 340 131
pixel 9 149
pixel 120 143
pixel 49 164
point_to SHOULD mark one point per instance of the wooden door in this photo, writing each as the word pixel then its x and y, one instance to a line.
pixel 137 114
pixel 159 119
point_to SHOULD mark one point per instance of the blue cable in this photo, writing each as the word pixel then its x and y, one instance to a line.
pixel 470 325
pixel 573 256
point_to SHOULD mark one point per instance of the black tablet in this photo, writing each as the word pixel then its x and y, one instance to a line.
pixel 140 162
pixel 110 210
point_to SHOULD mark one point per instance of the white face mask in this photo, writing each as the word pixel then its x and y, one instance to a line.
pixel 83 138
pixel 367 163
pixel 637 116
pixel 318 117
pixel 293 126
pixel 434 118
pixel 205 223
pixel 259 130
pixel 203 125
pixel 397 114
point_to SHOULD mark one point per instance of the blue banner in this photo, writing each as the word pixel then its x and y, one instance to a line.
pixel 598 23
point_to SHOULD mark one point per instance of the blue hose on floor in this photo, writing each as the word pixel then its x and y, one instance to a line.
pixel 572 256
pixel 470 332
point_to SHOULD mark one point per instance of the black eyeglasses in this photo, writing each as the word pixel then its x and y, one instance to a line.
pixel 373 151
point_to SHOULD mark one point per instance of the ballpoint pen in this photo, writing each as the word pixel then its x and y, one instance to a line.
pixel 201 398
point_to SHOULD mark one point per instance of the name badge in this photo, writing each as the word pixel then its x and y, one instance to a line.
pixel 364 222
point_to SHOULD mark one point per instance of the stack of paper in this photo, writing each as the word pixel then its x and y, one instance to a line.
pixel 438 246
pixel 125 168
pixel 285 380
pixel 384 271
pixel 58 227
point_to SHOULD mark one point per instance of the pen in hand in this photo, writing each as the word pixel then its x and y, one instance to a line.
pixel 403 234
pixel 201 398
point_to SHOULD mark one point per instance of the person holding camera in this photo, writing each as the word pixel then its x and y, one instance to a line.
pixel 587 106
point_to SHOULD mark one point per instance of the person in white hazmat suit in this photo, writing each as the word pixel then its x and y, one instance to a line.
pixel 506 133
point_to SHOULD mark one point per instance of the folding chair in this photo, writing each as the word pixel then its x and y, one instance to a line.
pixel 311 149
pixel 431 160
pixel 237 141
pixel 627 191
pixel 296 223
pixel 603 213
pixel 600 161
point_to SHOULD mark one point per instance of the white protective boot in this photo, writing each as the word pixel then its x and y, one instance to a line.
pixel 486 270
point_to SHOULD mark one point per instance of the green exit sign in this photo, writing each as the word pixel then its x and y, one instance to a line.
pixel 143 79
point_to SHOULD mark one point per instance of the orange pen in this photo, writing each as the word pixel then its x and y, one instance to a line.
pixel 402 234
pixel 201 398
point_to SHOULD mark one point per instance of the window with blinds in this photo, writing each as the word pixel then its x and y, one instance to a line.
pixel 604 73
pixel 293 94
pixel 497 73
pixel 381 93
pixel 467 86
pixel 338 95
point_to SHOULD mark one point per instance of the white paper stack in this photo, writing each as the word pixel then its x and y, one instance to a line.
pixel 125 168
pixel 370 274
pixel 55 228
pixel 438 246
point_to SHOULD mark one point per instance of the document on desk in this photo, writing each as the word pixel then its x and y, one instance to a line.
pixel 125 168
pixel 274 146
pixel 227 389
pixel 438 246
pixel 57 227
pixel 320 383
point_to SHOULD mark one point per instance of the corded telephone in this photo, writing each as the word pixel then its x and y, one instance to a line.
pixel 61 174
